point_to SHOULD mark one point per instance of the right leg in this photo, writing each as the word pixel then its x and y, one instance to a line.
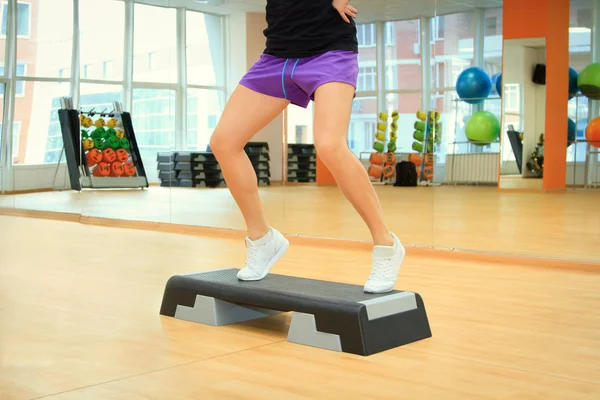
pixel 246 113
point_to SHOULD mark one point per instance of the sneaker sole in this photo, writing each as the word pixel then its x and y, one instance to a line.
pixel 275 258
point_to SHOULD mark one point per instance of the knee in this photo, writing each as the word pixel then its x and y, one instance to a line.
pixel 330 150
pixel 218 143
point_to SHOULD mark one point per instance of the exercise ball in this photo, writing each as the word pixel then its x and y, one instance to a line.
pixel 499 85
pixel 573 87
pixel 592 132
pixel 589 81
pixel 495 78
pixel 473 85
pixel 482 128
pixel 571 132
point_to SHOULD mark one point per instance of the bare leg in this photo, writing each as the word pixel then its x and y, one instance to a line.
pixel 333 106
pixel 245 114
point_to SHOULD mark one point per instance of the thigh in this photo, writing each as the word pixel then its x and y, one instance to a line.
pixel 246 113
pixel 333 107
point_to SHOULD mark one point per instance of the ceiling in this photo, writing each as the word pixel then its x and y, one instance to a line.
pixel 369 10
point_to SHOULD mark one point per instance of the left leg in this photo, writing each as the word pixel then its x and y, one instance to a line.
pixel 333 106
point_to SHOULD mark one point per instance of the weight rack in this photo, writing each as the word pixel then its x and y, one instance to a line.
pixel 80 174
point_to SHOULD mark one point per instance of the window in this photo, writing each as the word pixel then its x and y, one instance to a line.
pixel 456 52
pixel 363 123
pixel 98 61
pixel 366 35
pixel 205 49
pixel 155 49
pixel 49 47
pixel 300 124
pixel 16 135
pixel 367 79
pixel 99 96
pixel 23 19
pixel 492 42
pixel 390 34
pixel 403 58
pixel 204 108
pixel 20 85
pixel 153 116
pixel 40 136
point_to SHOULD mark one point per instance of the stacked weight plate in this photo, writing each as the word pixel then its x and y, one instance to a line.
pixel 302 163
pixel 258 152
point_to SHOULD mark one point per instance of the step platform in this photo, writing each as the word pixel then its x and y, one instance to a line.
pixel 329 315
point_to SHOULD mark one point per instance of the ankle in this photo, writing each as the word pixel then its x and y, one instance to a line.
pixel 385 239
pixel 255 235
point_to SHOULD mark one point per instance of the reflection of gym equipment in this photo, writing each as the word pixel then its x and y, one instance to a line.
pixel 517 146
pixel 95 155
pixel 327 315
pixel 382 164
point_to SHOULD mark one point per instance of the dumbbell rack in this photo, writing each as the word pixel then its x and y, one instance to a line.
pixel 302 163
pixel 80 174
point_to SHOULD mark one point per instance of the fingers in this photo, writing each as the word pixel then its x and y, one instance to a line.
pixel 344 17
pixel 351 11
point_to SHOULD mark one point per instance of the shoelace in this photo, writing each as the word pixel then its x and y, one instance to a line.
pixel 251 259
pixel 382 268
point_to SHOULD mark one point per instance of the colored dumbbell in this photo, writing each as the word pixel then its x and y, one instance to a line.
pixel 99 143
pixel 128 169
pixel 113 142
pixel 109 155
pixel 124 143
pixel 99 123
pixel 113 122
pixel 120 134
pixel 376 159
pixel 419 136
pixel 93 157
pixel 388 171
pixel 374 171
pixel 390 158
pixel 86 122
pixel 420 126
pixel 116 169
pixel 393 136
pixel 383 116
pixel 418 147
pixel 395 116
pixel 122 155
pixel 392 147
pixel 88 144
pixel 380 136
pixel 111 132
pixel 379 147
pixel 102 169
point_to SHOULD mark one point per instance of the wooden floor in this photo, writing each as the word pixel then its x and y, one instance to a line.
pixel 79 320
pixel 557 225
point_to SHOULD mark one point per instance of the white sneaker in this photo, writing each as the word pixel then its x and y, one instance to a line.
pixel 386 266
pixel 262 254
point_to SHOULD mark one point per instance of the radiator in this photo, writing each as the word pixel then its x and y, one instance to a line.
pixel 471 168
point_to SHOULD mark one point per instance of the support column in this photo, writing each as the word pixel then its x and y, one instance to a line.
pixel 552 23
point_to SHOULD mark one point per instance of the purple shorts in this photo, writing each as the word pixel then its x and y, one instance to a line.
pixel 297 79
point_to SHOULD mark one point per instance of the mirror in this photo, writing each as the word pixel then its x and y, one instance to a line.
pixel 466 66
pixel 38 88
pixel 524 97
pixel 132 103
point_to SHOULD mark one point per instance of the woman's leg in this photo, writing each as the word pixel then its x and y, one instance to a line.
pixel 333 106
pixel 245 114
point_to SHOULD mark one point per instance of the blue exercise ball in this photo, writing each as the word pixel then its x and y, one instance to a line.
pixel 571 132
pixel 499 85
pixel 473 85
pixel 495 78
pixel 573 86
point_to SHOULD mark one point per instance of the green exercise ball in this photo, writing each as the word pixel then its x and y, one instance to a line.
pixel 482 128
pixel 589 81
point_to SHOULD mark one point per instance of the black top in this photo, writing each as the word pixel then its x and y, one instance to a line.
pixel 304 28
